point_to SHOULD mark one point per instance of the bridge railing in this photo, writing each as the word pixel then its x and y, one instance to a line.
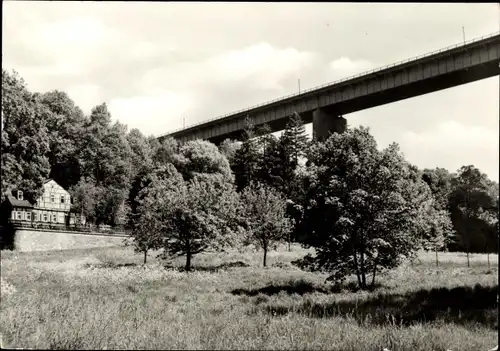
pixel 464 43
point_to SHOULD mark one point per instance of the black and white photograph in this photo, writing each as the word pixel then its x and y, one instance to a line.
pixel 249 176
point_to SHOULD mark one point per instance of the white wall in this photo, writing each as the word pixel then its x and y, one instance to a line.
pixel 44 240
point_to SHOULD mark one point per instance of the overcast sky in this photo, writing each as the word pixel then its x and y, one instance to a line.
pixel 157 63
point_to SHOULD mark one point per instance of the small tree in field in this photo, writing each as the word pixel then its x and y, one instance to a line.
pixel 437 230
pixel 193 216
pixel 146 234
pixel 472 206
pixel 265 214
pixel 146 227
pixel 363 204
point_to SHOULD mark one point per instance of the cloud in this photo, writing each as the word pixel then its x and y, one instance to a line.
pixel 152 113
pixel 232 80
pixel 86 96
pixel 452 145
pixel 345 67
pixel 262 62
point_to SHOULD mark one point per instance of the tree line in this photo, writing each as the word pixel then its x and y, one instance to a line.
pixel 362 209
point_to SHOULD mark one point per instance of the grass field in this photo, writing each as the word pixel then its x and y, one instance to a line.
pixel 106 299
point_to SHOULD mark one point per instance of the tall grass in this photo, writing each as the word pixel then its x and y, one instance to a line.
pixel 106 299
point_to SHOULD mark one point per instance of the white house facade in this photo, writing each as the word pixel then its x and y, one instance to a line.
pixel 53 207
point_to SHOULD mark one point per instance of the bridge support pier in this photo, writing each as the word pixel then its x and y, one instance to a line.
pixel 325 123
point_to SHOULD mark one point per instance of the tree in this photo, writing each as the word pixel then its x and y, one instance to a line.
pixel 472 206
pixel 439 181
pixel 145 223
pixel 106 154
pixel 85 197
pixel 141 151
pixel 193 215
pixel 229 148
pixel 265 214
pixel 164 152
pixel 25 164
pixel 65 124
pixel 362 206
pixel 246 159
pixel 268 161
pixel 295 138
pixel 438 229
pixel 439 232
pixel 199 157
pixel 106 159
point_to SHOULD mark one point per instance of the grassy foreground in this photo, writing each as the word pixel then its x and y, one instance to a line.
pixel 106 299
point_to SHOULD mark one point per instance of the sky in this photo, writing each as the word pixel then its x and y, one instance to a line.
pixel 159 65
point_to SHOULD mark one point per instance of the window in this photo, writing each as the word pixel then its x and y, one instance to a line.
pixel 62 199
pixel 19 215
pixel 52 198
pixel 45 218
pixel 20 195
pixel 35 216
pixel 54 218
pixel 28 216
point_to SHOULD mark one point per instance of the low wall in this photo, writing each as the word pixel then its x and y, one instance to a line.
pixel 46 240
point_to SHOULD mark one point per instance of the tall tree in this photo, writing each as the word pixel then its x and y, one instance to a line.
pixel 141 151
pixel 65 124
pixel 106 160
pixel 268 158
pixel 25 164
pixel 295 138
pixel 246 159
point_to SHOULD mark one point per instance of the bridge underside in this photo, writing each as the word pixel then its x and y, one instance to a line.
pixel 383 97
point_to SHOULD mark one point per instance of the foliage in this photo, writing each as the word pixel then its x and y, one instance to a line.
pixel 106 168
pixel 65 124
pixel 229 148
pixel 440 183
pixel 294 139
pixel 474 209
pixel 85 198
pixel 25 164
pixel 192 215
pixel 246 159
pixel 265 214
pixel 164 152
pixel 146 225
pixel 363 206
pixel 200 157
pixel 438 230
pixel 268 161
pixel 141 151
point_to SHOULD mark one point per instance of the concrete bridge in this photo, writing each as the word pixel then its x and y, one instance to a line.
pixel 325 105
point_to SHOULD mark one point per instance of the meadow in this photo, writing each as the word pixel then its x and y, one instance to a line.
pixel 105 298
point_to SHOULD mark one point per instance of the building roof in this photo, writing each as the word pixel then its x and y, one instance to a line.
pixel 18 203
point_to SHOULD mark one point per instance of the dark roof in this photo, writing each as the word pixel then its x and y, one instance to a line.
pixel 18 203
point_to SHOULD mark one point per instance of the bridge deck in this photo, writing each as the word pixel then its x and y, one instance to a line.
pixel 451 66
